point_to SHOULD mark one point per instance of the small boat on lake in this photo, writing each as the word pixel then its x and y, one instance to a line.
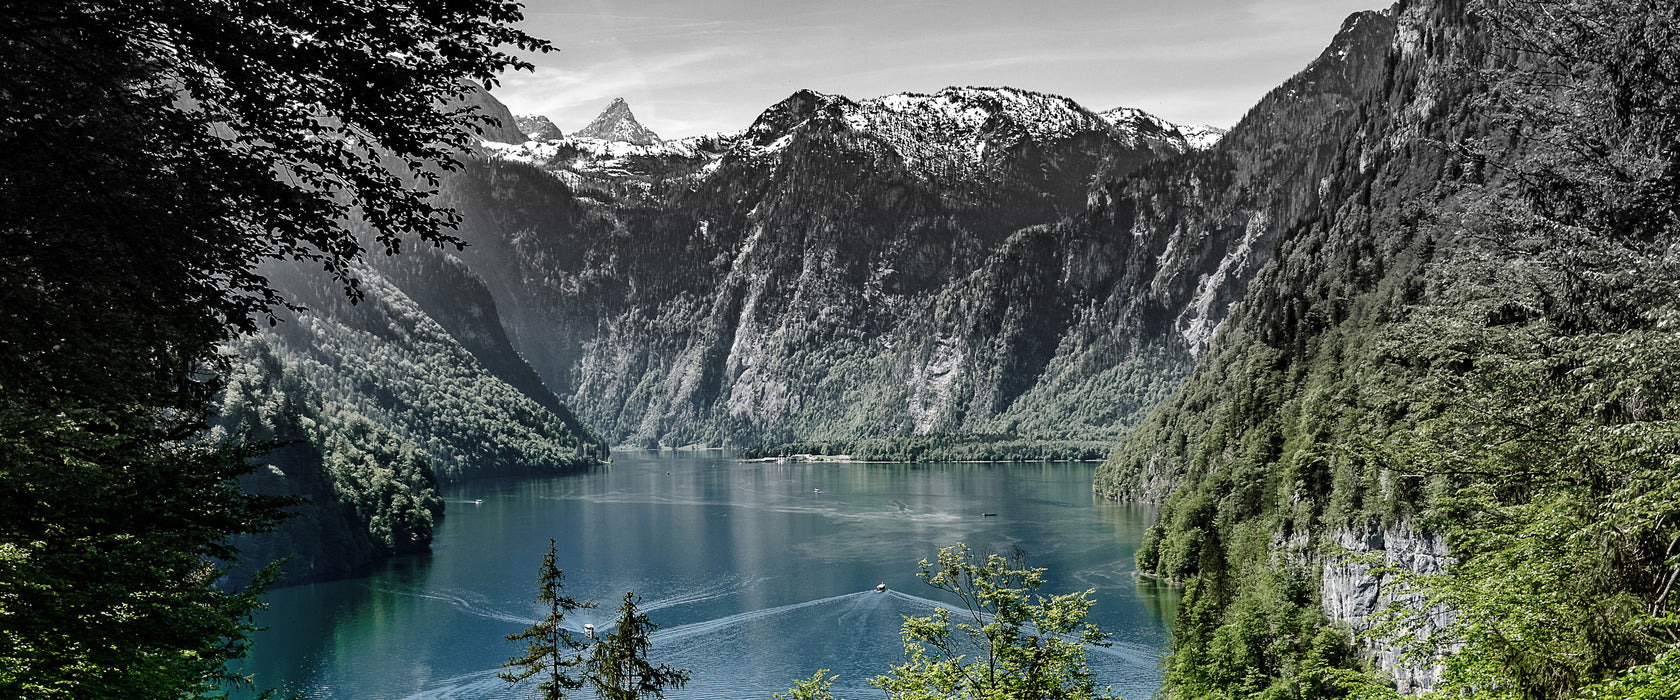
pixel 881 587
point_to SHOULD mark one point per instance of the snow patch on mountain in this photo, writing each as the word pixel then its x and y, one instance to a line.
pixel 956 131
pixel 611 159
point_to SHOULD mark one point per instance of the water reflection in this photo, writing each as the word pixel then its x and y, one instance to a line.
pixel 759 574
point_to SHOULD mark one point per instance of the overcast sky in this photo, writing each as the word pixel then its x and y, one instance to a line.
pixel 694 66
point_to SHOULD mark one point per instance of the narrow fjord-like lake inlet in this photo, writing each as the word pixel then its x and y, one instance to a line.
pixel 757 573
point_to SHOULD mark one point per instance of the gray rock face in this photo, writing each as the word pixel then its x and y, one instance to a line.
pixel 502 127
pixel 1353 594
pixel 616 123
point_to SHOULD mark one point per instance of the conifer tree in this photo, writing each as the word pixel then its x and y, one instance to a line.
pixel 552 651
pixel 618 666
pixel 1010 642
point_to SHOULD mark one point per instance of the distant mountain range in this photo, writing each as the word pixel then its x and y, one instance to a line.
pixel 986 262
pixel 616 123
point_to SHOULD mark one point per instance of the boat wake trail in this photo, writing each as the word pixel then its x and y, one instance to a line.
pixel 701 595
pixel 710 626
pixel 478 684
pixel 467 602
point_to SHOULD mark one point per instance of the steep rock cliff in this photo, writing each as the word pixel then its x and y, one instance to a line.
pixel 1361 581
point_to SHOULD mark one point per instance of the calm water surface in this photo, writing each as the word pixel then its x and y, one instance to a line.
pixel 755 577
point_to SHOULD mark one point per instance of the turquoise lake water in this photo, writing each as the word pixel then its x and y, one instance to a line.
pixel 757 573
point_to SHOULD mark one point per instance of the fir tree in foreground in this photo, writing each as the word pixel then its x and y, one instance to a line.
pixel 552 651
pixel 618 665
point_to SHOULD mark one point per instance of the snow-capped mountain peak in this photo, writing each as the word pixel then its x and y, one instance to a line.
pixel 957 129
pixel 1149 131
pixel 617 123
pixel 968 112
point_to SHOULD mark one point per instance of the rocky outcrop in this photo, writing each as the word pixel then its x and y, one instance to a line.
pixel 1362 583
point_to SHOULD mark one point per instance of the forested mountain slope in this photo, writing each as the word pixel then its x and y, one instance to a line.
pixel 1456 365
pixel 382 402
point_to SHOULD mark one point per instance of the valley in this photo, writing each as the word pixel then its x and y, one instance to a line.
pixel 1339 332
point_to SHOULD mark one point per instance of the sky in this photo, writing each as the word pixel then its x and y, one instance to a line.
pixel 690 67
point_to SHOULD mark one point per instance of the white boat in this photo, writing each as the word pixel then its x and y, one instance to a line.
pixel 881 587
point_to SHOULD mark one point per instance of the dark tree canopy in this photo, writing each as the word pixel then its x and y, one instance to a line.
pixel 155 153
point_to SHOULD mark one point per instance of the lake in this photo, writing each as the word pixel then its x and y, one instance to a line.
pixel 758 575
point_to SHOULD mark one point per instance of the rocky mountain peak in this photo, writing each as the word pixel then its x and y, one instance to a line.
pixel 1144 130
pixel 617 123
pixel 798 108
pixel 538 127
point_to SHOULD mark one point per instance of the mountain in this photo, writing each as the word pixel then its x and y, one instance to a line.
pixel 1160 133
pixel 618 171
pixel 822 258
pixel 1396 314
pixel 991 264
pixel 537 127
pixel 1200 137
pixel 985 262
pixel 616 123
